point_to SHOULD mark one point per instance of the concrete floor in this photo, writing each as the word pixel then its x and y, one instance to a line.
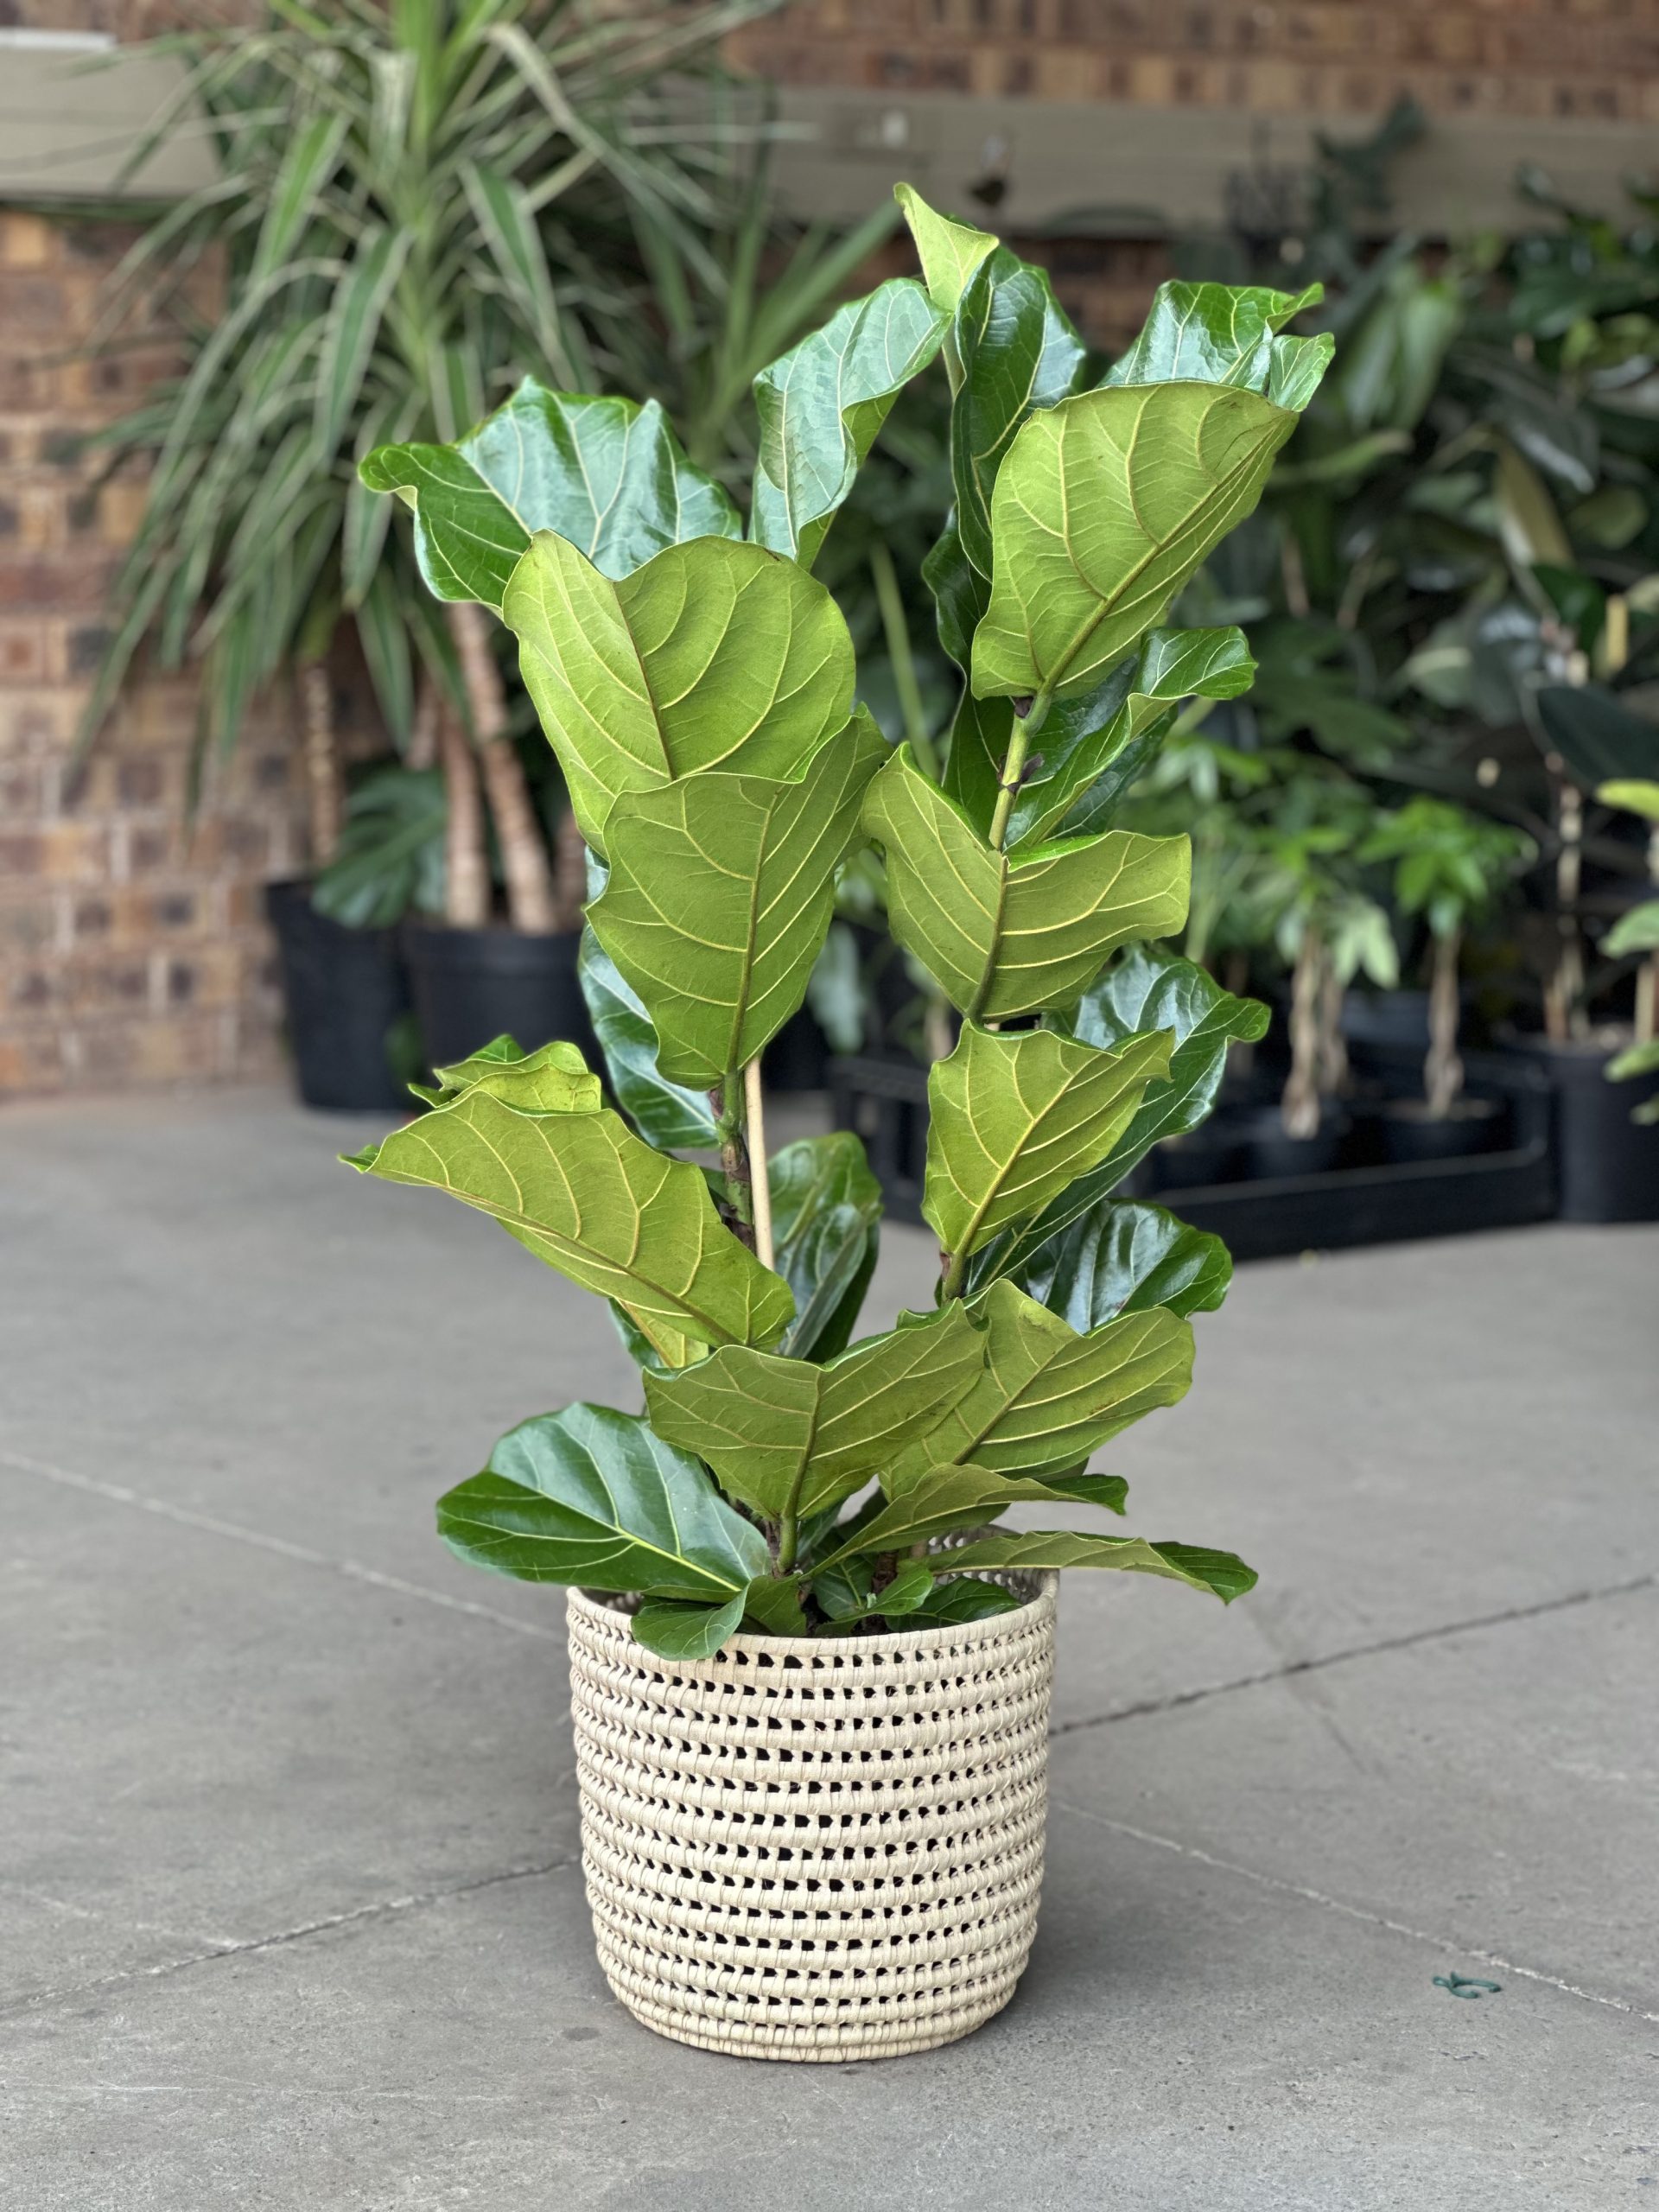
pixel 290 1905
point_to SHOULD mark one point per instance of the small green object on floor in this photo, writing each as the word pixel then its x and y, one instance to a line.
pixel 1466 1985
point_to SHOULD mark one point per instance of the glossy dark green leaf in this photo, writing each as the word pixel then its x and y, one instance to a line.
pixel 674 1629
pixel 941 1504
pixel 608 475
pixel 1220 1573
pixel 964 1598
pixel 826 1222
pixel 1226 333
pixel 774 1606
pixel 1124 1257
pixel 592 1496
pixel 671 1115
pixel 1145 988
pixel 1600 739
pixel 847 1593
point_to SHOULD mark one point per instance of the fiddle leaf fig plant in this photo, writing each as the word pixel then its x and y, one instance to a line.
pixel 787 1477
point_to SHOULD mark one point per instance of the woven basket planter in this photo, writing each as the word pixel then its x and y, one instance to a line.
pixel 825 1847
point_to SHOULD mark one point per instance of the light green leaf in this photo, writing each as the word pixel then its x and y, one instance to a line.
pixel 1125 1257
pixel 1009 935
pixel 1173 666
pixel 720 891
pixel 674 1629
pixel 713 655
pixel 822 405
pixel 667 1115
pixel 1221 1573
pixel 1633 793
pixel 948 252
pixel 826 1222
pixel 950 1499
pixel 1016 352
pixel 1015 1119
pixel 1634 1060
pixel 591 1497
pixel 349 334
pixel 553 1079
pixel 1146 987
pixel 1103 508
pixel 1048 1397
pixel 787 1437
pixel 582 1192
pixel 1636 931
pixel 1225 334
pixel 608 475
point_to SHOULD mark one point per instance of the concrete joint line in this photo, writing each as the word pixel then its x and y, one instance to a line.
pixel 118 1494
pixel 1361 1913
pixel 1178 1698
pixel 360 1916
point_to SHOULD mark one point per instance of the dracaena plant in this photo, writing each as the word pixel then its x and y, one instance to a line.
pixel 699 687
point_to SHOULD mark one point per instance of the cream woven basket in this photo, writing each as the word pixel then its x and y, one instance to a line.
pixel 823 1848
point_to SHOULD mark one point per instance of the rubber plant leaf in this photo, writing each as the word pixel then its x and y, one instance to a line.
pixel 1105 505
pixel 1007 935
pixel 941 1503
pixel 712 656
pixel 785 1436
pixel 1125 1256
pixel 1048 1395
pixel 1015 1119
pixel 1172 665
pixel 1227 333
pixel 720 891
pixel 826 1222
pixel 591 1497
pixel 1053 1549
pixel 1146 987
pixel 608 475
pixel 667 1115
pixel 583 1193
pixel 822 405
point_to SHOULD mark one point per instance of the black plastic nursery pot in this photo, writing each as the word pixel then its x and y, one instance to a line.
pixel 471 985
pixel 1360 1196
pixel 346 993
pixel 1607 1165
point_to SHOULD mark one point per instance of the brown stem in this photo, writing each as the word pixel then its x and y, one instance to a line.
pixel 1333 1049
pixel 1564 1015
pixel 531 903
pixel 325 793
pixel 421 750
pixel 1443 1069
pixel 1299 1108
pixel 466 858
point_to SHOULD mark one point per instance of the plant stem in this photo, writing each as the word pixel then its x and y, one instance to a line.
pixel 465 865
pixel 531 904
pixel 726 1099
pixel 1647 976
pixel 1299 1108
pixel 1564 993
pixel 1025 727
pixel 1443 1070
pixel 892 604
pixel 327 804
pixel 760 1181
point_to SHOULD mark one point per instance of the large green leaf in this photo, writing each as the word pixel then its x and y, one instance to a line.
pixel 1048 1395
pixel 950 1499
pixel 1147 988
pixel 675 1629
pixel 1172 665
pixel 1014 1119
pixel 553 1079
pixel 823 403
pixel 787 1436
pixel 826 1224
pixel 1009 935
pixel 1016 352
pixel 1124 1257
pixel 1103 508
pixel 591 1497
pixel 582 1192
pixel 667 1115
pixel 1220 1573
pixel 948 252
pixel 720 891
pixel 608 475
pixel 1225 333
pixel 713 655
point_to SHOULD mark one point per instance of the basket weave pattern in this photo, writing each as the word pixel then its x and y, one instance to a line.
pixel 814 1849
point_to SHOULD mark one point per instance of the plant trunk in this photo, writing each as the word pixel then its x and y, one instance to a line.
pixel 1299 1107
pixel 1443 1070
pixel 569 873
pixel 324 790
pixel 465 857
pixel 524 864
pixel 421 750
pixel 1564 1016
pixel 1333 1046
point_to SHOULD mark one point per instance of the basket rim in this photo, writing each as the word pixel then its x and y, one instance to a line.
pixel 1043 1604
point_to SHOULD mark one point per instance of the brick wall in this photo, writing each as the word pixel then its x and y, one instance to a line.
pixel 1590 58
pixel 132 950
